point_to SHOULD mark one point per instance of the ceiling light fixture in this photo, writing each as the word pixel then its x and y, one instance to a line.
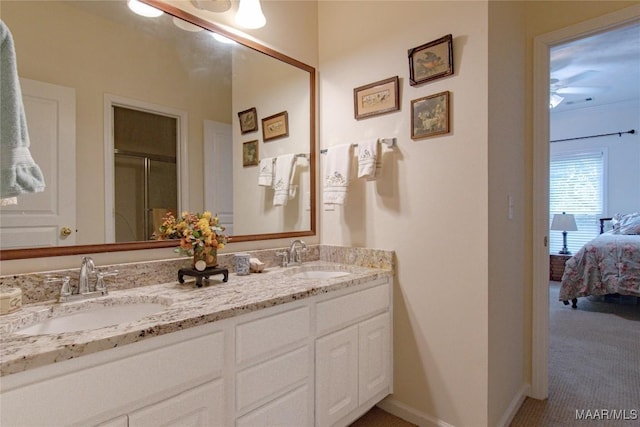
pixel 250 14
pixel 143 9
pixel 555 100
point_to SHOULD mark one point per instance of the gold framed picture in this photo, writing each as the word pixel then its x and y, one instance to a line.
pixel 376 98
pixel 430 115
pixel 431 60
pixel 250 153
pixel 248 120
pixel 276 126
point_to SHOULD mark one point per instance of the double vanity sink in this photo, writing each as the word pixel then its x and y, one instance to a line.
pixel 110 311
pixel 42 331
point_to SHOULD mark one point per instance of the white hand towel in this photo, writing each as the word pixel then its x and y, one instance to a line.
pixel 284 170
pixel 368 158
pixel 19 174
pixel 337 169
pixel 265 176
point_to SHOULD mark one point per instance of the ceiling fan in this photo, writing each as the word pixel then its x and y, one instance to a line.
pixel 560 88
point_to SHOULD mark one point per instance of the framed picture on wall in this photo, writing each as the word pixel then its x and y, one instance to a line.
pixel 430 115
pixel 431 60
pixel 250 153
pixel 376 98
pixel 248 120
pixel 276 126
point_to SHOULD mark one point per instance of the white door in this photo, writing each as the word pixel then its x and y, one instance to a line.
pixel 218 172
pixel 373 355
pixel 38 219
pixel 336 376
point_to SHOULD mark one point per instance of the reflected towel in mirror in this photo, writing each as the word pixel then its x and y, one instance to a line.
pixel 284 172
pixel 265 176
pixel 19 174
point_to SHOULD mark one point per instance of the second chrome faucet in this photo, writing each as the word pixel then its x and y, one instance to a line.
pixel 294 255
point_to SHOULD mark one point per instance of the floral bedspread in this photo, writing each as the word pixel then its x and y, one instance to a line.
pixel 608 264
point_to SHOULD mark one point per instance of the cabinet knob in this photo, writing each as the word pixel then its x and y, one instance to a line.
pixel 65 231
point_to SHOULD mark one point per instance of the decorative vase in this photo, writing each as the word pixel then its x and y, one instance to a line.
pixel 205 257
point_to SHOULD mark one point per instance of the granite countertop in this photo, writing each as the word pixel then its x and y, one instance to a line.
pixel 187 306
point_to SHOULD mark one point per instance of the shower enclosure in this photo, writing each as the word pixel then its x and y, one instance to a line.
pixel 145 173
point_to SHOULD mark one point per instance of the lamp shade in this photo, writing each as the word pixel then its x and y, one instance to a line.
pixel 564 222
pixel 250 14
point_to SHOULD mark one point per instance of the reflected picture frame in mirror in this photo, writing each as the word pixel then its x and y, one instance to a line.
pixel 34 252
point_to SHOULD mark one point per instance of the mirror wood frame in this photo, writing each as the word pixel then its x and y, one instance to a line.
pixel 25 253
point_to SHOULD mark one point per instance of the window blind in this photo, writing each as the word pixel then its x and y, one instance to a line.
pixel 576 187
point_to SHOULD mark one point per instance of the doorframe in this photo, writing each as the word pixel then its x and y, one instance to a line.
pixel 181 116
pixel 541 69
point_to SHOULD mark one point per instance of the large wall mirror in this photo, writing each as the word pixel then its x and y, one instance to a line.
pixel 131 116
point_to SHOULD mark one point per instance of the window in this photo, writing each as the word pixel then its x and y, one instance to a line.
pixel 576 187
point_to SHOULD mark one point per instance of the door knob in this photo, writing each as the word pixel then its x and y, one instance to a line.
pixel 65 231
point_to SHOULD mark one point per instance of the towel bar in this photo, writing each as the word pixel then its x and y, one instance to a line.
pixel 391 142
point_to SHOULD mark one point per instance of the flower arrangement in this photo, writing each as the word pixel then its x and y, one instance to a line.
pixel 197 232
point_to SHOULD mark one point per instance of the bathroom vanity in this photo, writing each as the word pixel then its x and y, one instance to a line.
pixel 292 346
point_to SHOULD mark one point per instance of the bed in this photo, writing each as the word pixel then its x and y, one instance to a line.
pixel 608 264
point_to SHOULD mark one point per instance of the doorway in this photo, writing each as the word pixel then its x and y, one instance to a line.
pixel 146 167
pixel 541 77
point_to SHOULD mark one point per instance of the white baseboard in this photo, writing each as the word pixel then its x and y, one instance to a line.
pixel 515 405
pixel 410 414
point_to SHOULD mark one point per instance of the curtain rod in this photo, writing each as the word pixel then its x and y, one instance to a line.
pixel 632 131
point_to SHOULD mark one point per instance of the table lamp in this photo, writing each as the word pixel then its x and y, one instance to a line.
pixel 564 222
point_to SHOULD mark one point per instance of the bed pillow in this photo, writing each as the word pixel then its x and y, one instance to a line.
pixel 627 224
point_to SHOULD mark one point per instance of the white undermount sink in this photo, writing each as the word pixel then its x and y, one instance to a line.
pixel 319 274
pixel 93 318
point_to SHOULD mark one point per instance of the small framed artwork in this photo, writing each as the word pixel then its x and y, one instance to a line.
pixel 431 61
pixel 248 120
pixel 376 98
pixel 250 153
pixel 276 126
pixel 430 115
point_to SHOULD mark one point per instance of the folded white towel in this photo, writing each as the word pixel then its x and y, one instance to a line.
pixel 265 176
pixel 337 169
pixel 284 171
pixel 19 174
pixel 368 158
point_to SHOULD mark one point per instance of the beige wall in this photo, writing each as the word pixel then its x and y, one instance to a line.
pixel 507 239
pixel 463 299
pixel 431 203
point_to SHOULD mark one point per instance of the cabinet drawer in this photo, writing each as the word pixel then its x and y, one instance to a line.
pixel 259 338
pixel 266 380
pixel 341 311
pixel 292 409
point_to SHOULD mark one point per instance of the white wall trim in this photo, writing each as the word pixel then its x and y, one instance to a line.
pixel 514 406
pixel 541 46
pixel 182 116
pixel 412 415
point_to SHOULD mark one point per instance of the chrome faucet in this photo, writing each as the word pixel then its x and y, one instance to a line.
pixel 84 288
pixel 296 249
pixel 87 267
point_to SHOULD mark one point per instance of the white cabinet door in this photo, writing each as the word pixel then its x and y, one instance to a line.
pixel 336 375
pixel 288 410
pixel 373 355
pixel 202 406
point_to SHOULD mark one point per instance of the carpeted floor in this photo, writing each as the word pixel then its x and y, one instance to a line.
pixel 376 417
pixel 594 364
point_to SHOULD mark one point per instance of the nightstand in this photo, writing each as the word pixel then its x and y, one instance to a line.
pixel 556 266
